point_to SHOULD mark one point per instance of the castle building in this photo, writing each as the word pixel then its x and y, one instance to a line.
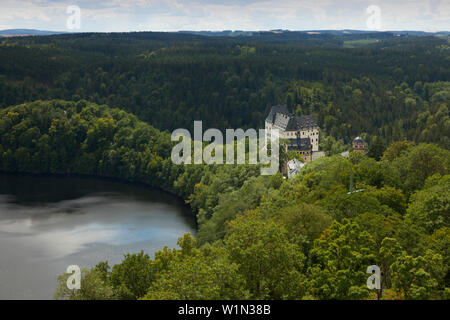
pixel 359 145
pixel 302 146
pixel 293 127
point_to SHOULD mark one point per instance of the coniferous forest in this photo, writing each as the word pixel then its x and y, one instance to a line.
pixel 105 104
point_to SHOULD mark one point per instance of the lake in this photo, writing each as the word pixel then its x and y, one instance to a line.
pixel 50 222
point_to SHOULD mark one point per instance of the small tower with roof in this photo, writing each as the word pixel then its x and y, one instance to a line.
pixel 359 145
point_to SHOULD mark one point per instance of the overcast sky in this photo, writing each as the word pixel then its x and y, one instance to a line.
pixel 173 15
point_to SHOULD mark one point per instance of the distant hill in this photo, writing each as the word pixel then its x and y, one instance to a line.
pixel 224 33
pixel 27 32
pixel 236 33
pixel 325 38
pixel 286 34
pixel 230 33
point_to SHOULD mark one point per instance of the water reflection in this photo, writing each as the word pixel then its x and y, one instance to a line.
pixel 48 223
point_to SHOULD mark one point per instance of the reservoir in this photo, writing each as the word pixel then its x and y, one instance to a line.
pixel 50 222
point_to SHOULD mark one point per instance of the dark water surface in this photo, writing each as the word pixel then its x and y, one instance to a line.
pixel 48 223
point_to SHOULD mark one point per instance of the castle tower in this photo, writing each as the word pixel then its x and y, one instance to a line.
pixel 359 145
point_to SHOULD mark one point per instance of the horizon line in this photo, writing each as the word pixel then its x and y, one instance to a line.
pixel 229 30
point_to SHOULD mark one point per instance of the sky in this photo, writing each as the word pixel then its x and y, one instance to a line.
pixel 252 15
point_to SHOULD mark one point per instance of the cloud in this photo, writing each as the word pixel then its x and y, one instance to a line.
pixel 172 15
pixel 26 10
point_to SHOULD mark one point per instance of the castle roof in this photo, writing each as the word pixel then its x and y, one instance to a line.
pixel 303 122
pixel 281 117
pixel 358 139
pixel 281 120
pixel 277 109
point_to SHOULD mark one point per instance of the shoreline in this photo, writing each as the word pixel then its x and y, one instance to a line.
pixel 112 179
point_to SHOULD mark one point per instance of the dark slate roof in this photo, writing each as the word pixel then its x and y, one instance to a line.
pixel 280 116
pixel 277 109
pixel 300 143
pixel 281 120
pixel 306 121
pixel 358 139
pixel 303 122
pixel 292 124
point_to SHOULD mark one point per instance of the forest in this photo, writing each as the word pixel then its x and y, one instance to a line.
pixel 259 237
pixel 392 89
pixel 103 105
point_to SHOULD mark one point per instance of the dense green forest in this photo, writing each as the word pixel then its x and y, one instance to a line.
pixel 393 88
pixel 102 105
pixel 259 237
